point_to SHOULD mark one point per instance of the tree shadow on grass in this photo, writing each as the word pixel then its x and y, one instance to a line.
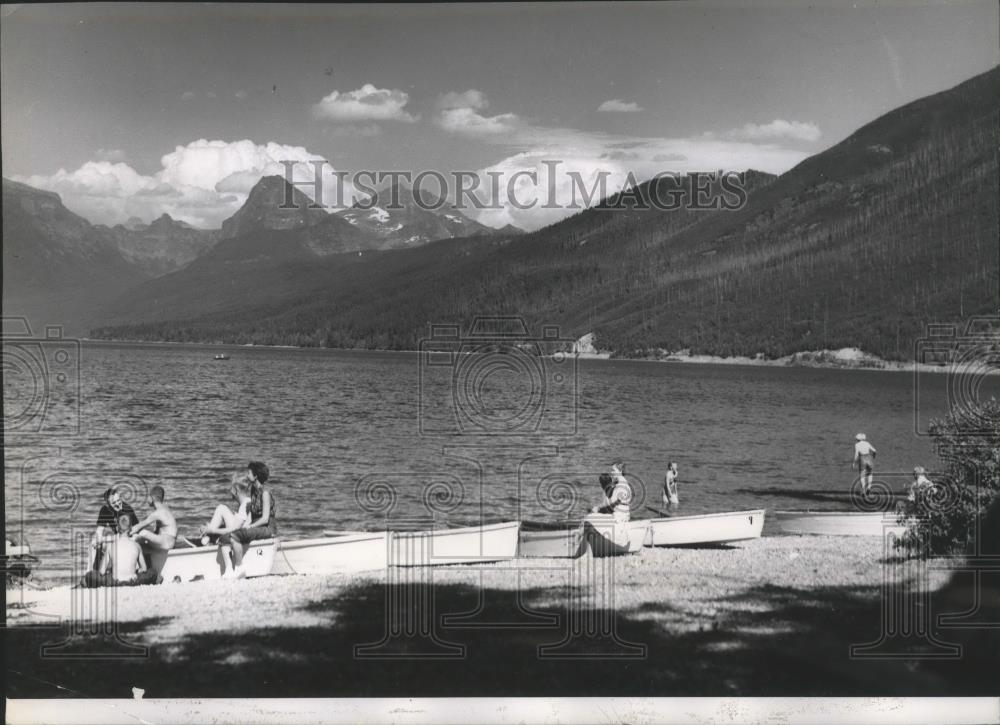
pixel 765 641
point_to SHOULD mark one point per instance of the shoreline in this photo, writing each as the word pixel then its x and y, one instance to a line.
pixel 816 359
pixel 690 621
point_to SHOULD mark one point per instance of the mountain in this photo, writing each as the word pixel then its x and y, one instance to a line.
pixel 273 204
pixel 58 269
pixel 163 246
pixel 508 230
pixel 394 215
pixel 860 245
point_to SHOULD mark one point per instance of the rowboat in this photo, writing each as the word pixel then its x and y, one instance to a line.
pixel 607 537
pixel 465 545
pixel 558 541
pixel 722 528
pixel 221 356
pixel 838 523
pixel 206 562
pixel 367 551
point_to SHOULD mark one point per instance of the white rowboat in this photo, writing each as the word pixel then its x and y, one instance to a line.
pixel 466 545
pixel 206 562
pixel 555 543
pixel 838 523
pixel 333 555
pixel 607 537
pixel 722 528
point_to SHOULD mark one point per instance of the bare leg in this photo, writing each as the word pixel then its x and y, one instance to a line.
pixel 222 518
pixel 159 541
pixel 237 554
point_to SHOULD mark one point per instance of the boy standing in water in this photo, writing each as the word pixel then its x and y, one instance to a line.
pixel 864 461
pixel 670 499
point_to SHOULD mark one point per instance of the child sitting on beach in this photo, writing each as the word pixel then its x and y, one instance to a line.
pixel 225 520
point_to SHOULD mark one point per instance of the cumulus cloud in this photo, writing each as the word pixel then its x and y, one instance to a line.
pixel 616 105
pixel 202 183
pixel 778 129
pixel 566 170
pixel 469 122
pixel 367 103
pixel 460 112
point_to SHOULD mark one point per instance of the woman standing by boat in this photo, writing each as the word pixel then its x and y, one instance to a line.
pixel 263 524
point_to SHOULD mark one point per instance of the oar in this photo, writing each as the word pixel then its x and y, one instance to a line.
pixel 657 511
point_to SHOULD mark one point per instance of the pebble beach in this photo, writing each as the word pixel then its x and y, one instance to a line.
pixel 775 615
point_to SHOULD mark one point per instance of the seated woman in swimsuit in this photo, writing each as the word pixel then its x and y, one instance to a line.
pixel 225 520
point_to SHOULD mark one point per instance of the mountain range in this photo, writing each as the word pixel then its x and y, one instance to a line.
pixel 860 245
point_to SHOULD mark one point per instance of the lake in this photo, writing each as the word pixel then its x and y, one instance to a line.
pixel 346 434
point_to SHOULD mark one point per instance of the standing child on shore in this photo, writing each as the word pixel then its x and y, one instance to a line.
pixel 670 499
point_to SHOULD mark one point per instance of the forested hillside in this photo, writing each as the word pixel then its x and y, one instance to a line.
pixel 860 245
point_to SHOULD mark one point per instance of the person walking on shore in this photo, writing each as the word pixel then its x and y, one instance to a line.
pixel 864 461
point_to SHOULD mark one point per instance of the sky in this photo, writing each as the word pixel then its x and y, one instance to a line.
pixel 130 110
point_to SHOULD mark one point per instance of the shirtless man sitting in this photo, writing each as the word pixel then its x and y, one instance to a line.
pixel 126 563
pixel 162 518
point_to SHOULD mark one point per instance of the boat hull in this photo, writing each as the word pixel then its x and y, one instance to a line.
pixel 333 555
pixel 206 562
pixel 466 545
pixel 838 523
pixel 566 543
pixel 722 528
pixel 607 537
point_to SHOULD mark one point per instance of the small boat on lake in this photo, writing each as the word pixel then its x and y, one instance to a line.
pixel 709 529
pixel 354 552
pixel 464 545
pixel 558 541
pixel 838 523
pixel 206 562
pixel 221 356
pixel 607 537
